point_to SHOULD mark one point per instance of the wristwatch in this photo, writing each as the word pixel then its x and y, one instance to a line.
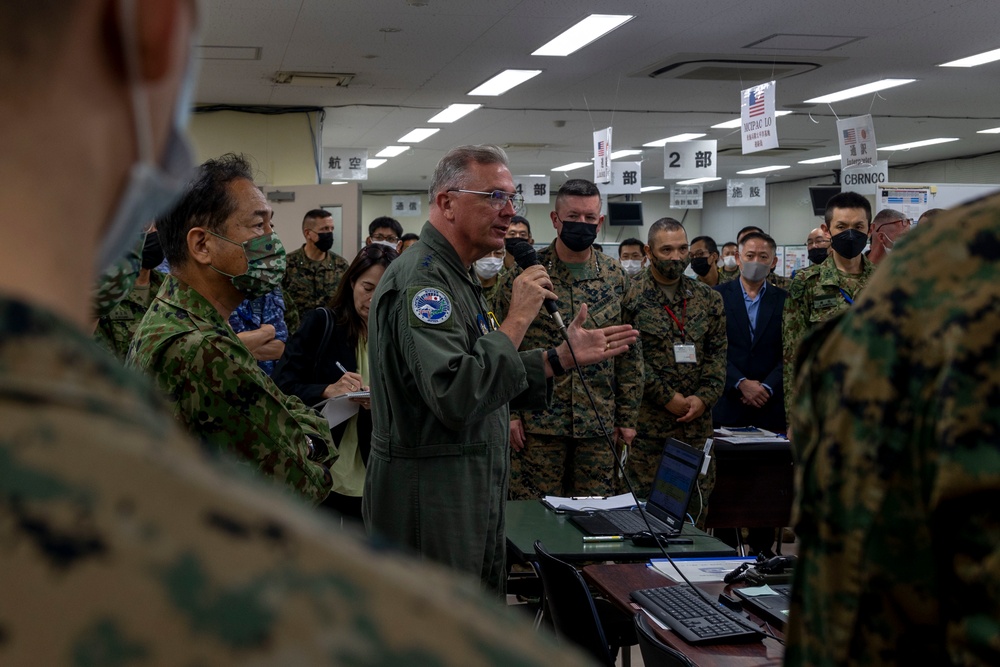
pixel 557 368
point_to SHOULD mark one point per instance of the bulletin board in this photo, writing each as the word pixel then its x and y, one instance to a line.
pixel 915 198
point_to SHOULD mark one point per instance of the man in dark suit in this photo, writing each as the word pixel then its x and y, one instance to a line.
pixel 753 395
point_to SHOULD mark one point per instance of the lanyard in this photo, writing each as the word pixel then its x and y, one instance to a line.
pixel 848 299
pixel 680 322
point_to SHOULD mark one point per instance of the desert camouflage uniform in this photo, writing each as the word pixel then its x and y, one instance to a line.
pixel 898 466
pixel 565 452
pixel 223 398
pixel 114 330
pixel 813 297
pixel 308 284
pixel 122 546
pixel 705 328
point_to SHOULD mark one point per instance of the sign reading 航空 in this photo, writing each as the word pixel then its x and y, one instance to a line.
pixel 345 164
pixel 757 118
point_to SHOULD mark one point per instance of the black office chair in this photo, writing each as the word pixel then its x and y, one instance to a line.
pixel 654 652
pixel 574 613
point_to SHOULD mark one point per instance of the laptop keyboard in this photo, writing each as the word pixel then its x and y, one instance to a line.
pixel 630 523
pixel 694 619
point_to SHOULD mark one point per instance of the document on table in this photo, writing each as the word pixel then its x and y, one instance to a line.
pixel 698 570
pixel 588 503
pixel 340 408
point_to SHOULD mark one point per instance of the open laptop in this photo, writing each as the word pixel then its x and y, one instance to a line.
pixel 669 498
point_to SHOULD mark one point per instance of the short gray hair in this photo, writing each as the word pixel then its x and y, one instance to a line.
pixel 451 170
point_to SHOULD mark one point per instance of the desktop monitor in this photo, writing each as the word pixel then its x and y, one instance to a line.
pixel 625 213
pixel 819 195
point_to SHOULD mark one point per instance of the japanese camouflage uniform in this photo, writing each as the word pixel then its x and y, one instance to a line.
pixel 221 396
pixel 699 309
pixel 117 280
pixel 725 275
pixel 309 284
pixel 565 451
pixel 114 330
pixel 778 281
pixel 817 293
pixel 123 546
pixel 895 427
pixel 441 379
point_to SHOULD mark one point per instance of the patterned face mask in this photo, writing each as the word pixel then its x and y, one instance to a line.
pixel 671 269
pixel 265 265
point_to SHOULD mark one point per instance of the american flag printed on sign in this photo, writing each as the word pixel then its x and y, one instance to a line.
pixel 850 137
pixel 756 103
pixel 601 145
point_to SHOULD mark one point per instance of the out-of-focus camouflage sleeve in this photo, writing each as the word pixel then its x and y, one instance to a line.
pixel 629 367
pixel 716 348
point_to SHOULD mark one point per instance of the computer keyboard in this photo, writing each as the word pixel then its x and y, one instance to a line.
pixel 694 619
pixel 630 523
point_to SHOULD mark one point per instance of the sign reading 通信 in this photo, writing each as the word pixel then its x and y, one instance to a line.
pixel 757 118
pixel 689 159
pixel 534 189
pixel 602 156
pixel 746 192
pixel 406 206
pixel 856 137
pixel 686 196
pixel 865 179
pixel 345 164
pixel 626 179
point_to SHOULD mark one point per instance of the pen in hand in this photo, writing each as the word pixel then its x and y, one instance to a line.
pixel 340 367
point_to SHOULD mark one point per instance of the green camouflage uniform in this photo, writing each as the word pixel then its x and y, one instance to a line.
pixel 726 275
pixel 116 282
pixel 815 296
pixel 565 453
pixel 778 281
pixel 896 428
pixel 309 284
pixel 219 393
pixel 114 330
pixel 122 546
pixel 705 328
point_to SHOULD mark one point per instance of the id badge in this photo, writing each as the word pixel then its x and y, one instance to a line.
pixel 685 354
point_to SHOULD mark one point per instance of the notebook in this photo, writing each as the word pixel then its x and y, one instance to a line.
pixel 772 608
pixel 669 498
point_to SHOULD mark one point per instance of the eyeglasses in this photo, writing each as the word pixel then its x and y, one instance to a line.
pixel 498 198
pixel 382 237
pixel 821 242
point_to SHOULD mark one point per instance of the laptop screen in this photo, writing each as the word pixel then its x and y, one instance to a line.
pixel 675 479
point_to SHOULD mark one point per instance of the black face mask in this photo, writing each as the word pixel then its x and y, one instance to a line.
pixel 817 255
pixel 152 253
pixel 509 243
pixel 701 266
pixel 578 236
pixel 849 244
pixel 325 241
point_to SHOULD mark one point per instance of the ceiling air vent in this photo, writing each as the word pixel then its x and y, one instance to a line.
pixel 747 69
pixel 314 79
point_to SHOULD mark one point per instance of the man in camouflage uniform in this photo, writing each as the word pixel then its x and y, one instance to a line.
pixel 898 475
pixel 821 291
pixel 121 544
pixel 562 450
pixel 682 325
pixel 729 271
pixel 313 272
pixel 186 345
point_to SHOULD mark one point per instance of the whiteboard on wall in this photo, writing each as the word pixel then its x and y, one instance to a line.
pixel 922 196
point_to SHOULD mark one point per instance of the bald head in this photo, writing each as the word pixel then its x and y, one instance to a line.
pixel 818 236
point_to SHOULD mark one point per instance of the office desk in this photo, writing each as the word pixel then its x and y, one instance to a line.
pixel 617 581
pixel 753 486
pixel 529 520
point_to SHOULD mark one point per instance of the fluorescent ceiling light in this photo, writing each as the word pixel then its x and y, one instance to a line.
pixel 537 175
pixel 651 188
pixel 696 181
pixel 418 135
pixel 820 160
pixel 375 164
pixel 454 112
pixel 571 166
pixel 338 182
pixel 858 91
pixel 674 139
pixel 392 151
pixel 992 130
pixel 972 61
pixel 761 170
pixel 583 33
pixel 736 122
pixel 918 144
pixel 504 81
pixel 625 153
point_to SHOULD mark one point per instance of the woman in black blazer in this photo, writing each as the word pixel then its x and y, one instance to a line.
pixel 338 333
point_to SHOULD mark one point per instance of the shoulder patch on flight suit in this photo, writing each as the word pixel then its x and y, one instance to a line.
pixel 429 306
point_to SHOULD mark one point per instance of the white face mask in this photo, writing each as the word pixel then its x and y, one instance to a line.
pixel 487 267
pixel 729 262
pixel 153 186
pixel 632 266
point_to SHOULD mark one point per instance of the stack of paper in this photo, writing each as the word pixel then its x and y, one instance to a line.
pixel 589 503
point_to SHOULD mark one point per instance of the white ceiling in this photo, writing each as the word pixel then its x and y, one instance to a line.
pixel 444 49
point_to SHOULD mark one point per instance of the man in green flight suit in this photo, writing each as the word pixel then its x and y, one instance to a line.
pixel 443 372
pixel 222 250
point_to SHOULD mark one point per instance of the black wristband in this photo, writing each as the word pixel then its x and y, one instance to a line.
pixel 557 368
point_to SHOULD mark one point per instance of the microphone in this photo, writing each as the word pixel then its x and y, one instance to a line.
pixel 525 256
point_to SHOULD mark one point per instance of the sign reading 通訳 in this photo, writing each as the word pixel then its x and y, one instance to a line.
pixel 626 179
pixel 406 206
pixel 856 137
pixel 345 164
pixel 746 192
pixel 686 196
pixel 602 156
pixel 757 118
pixel 689 159
pixel 534 189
